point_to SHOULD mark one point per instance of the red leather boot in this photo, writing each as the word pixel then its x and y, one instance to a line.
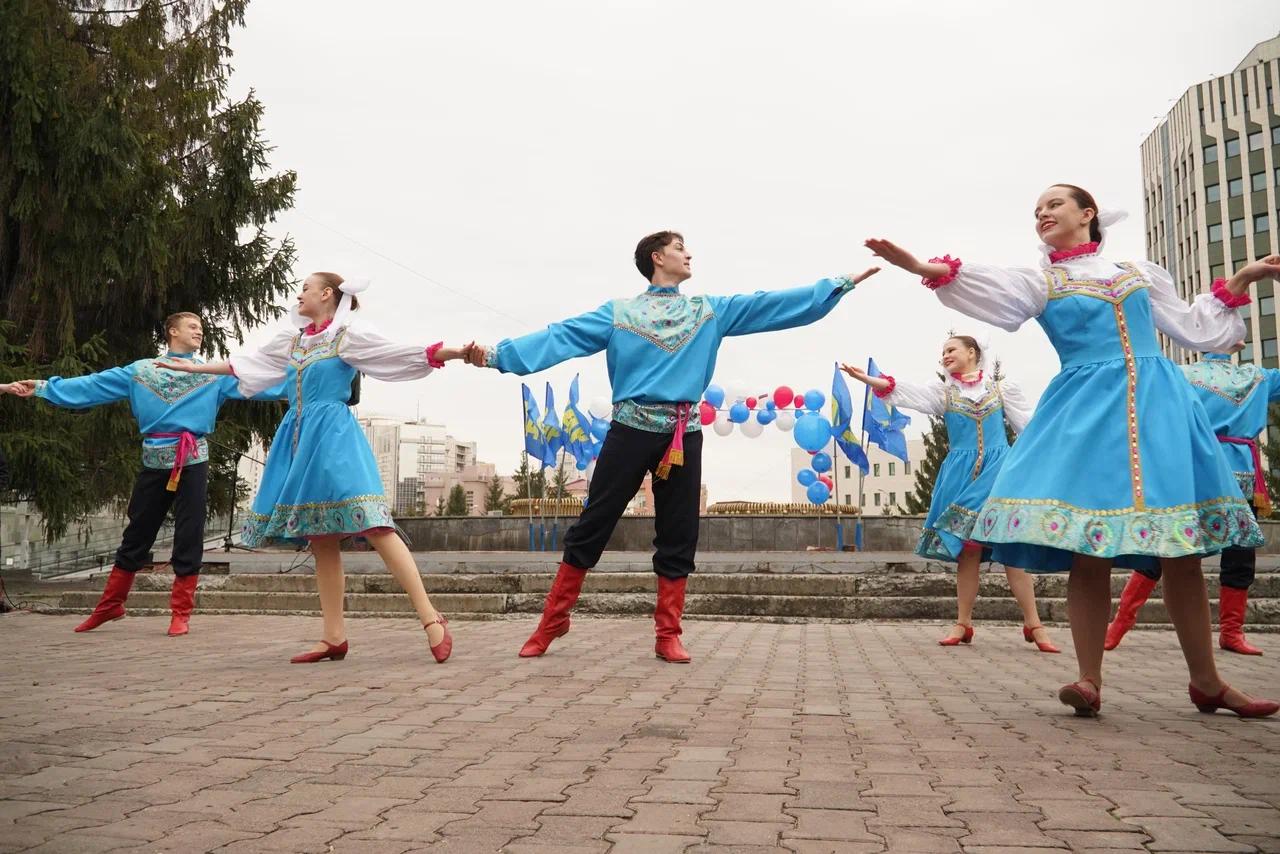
pixel 666 620
pixel 111 605
pixel 182 600
pixel 1231 608
pixel 1134 596
pixel 555 613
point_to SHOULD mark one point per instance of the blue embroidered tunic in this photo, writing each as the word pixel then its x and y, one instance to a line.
pixel 661 346
pixel 321 478
pixel 1236 398
pixel 162 401
pixel 1119 461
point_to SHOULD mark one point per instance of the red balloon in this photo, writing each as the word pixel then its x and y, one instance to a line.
pixel 706 413
pixel 827 480
pixel 783 395
pixel 751 403
pixel 798 400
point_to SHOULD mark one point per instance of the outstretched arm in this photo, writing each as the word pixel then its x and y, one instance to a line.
pixel 578 336
pixel 769 311
pixel 1210 322
pixel 1002 296
pixel 384 359
pixel 929 399
pixel 187 366
pixel 84 392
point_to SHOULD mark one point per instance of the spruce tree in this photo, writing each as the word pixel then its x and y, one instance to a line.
pixel 529 481
pixel 131 187
pixel 457 505
pixel 496 498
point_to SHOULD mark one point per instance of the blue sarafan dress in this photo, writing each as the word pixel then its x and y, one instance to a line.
pixel 321 478
pixel 975 414
pixel 1119 461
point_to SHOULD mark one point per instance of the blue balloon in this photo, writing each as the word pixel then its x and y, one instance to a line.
pixel 817 493
pixel 813 400
pixel 714 395
pixel 821 462
pixel 739 412
pixel 770 405
pixel 582 465
pixel 599 428
pixel 806 477
pixel 812 432
pixel 766 416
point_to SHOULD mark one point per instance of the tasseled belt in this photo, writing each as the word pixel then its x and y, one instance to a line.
pixel 675 451
pixel 187 446
pixel 1261 498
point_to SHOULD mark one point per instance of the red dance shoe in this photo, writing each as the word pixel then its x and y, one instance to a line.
pixel 1083 696
pixel 1232 604
pixel 1029 635
pixel 331 651
pixel 666 620
pixel 182 600
pixel 1136 592
pixel 555 612
pixel 441 650
pixel 1252 709
pixel 967 637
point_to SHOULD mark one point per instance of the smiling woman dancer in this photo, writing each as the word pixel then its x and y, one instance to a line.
pixel 975 408
pixel 1119 466
pixel 321 482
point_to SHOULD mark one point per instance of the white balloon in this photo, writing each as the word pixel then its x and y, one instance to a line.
pixel 785 421
pixel 752 428
pixel 600 407
pixel 736 390
pixel 723 425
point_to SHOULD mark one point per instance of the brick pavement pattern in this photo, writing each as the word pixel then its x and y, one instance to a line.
pixel 804 738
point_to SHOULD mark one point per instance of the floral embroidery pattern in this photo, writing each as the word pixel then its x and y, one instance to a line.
pixel 291 523
pixel 1113 290
pixel 1233 383
pixel 1165 532
pixel 669 320
pixel 169 386
pixel 652 417
pixel 1131 406
pixel 164 456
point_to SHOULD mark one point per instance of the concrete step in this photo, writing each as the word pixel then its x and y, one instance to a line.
pixel 911 596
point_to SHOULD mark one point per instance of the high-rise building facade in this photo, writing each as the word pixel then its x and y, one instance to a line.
pixel 1211 190
pixel 412 456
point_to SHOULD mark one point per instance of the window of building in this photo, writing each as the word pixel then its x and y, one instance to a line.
pixel 1237 227
pixel 1246 355
pixel 1215 233
pixel 1258 181
pixel 1267 306
pixel 1261 225
pixel 846 472
pixel 1256 141
pixel 891 469
pixel 862 501
pixel 1211 153
pixel 848 499
pixel 906 468
pixel 1275 135
pixel 877 502
pixel 1233 147
pixel 1213 192
pixel 893 498
pixel 1235 187
pixel 875 470
pixel 1269 348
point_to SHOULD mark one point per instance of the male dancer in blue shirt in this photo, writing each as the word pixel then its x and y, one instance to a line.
pixel 661 347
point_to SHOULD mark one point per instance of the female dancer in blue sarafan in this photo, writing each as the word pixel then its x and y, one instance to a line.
pixel 1119 466
pixel 975 407
pixel 321 482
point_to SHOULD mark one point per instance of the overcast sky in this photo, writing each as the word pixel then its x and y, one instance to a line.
pixel 491 165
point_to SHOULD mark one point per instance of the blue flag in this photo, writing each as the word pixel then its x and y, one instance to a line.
pixel 551 432
pixel 577 439
pixel 883 422
pixel 534 442
pixel 842 423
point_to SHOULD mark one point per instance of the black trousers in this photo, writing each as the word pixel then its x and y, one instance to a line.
pixel 628 454
pixel 1236 567
pixel 149 505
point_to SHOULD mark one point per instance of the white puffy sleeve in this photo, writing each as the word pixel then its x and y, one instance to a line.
pixel 1210 323
pixel 1006 297
pixel 931 399
pixel 258 370
pixel 1017 408
pixel 371 354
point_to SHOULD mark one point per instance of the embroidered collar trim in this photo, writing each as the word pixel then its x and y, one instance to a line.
pixel 1059 255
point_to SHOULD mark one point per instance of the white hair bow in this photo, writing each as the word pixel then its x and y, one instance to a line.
pixel 342 316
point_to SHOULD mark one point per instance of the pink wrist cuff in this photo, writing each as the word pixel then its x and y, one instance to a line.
pixel 946 279
pixel 431 355
pixel 1230 300
pixel 888 390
